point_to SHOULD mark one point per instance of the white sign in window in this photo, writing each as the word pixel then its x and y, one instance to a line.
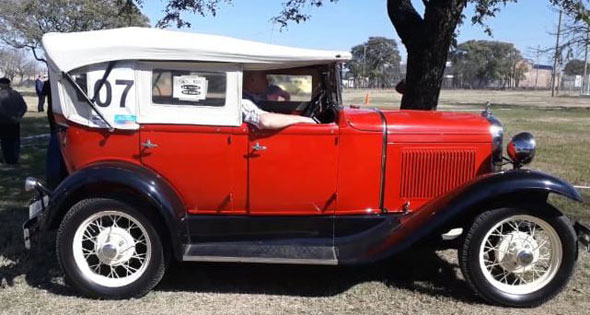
pixel 190 88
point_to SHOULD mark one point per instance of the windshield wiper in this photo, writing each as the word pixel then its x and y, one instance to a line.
pixel 91 102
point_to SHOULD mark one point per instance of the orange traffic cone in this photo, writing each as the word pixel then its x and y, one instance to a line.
pixel 368 98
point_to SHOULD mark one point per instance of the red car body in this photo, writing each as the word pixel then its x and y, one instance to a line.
pixel 331 169
pixel 173 175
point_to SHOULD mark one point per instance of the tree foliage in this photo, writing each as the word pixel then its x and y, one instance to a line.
pixel 15 63
pixel 293 10
pixel 478 63
pixel 574 67
pixel 375 63
pixel 23 22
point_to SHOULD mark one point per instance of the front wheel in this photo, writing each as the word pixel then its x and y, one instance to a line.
pixel 519 257
pixel 108 249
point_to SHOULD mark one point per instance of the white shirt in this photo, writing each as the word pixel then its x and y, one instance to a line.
pixel 251 113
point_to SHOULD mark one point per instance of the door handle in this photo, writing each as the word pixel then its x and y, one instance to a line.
pixel 258 147
pixel 149 145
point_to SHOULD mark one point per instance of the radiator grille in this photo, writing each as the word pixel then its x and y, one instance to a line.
pixel 428 173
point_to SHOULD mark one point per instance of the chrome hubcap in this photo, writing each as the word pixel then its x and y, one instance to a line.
pixel 107 253
pixel 516 251
pixel 114 246
pixel 525 258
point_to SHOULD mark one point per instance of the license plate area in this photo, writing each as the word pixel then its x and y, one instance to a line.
pixel 31 227
pixel 38 206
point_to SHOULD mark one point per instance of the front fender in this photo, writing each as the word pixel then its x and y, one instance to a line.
pixel 108 178
pixel 483 193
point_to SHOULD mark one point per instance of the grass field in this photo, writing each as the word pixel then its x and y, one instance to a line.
pixel 418 282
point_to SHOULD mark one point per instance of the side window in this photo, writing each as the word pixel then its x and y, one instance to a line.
pixel 188 88
pixel 82 80
pixel 298 88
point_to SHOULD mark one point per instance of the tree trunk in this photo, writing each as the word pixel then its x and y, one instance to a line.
pixel 427 41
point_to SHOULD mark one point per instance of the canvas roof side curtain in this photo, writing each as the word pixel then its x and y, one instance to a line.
pixel 91 102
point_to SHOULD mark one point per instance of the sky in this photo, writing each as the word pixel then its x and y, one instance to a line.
pixel 347 23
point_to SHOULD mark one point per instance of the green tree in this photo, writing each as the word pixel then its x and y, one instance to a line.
pixel 478 63
pixel 377 61
pixel 23 22
pixel 574 67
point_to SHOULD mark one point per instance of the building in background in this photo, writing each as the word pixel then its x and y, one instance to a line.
pixel 536 76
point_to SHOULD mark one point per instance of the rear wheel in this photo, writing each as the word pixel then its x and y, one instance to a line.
pixel 519 257
pixel 108 249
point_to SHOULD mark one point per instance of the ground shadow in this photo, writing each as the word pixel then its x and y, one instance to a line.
pixel 420 270
pixel 39 265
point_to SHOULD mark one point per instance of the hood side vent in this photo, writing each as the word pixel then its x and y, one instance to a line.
pixel 428 173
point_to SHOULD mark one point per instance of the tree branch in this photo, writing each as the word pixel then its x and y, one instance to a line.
pixel 407 22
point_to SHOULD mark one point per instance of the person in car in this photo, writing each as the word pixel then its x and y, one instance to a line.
pixel 276 93
pixel 255 88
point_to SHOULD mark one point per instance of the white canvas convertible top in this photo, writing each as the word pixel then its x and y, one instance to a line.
pixel 68 51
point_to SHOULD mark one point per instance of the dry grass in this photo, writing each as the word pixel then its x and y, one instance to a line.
pixel 459 98
pixel 419 282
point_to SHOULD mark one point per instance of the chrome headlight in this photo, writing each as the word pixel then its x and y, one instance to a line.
pixel 521 149
pixel 31 183
pixel 497 132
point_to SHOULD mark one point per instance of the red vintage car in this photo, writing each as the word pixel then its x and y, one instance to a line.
pixel 162 166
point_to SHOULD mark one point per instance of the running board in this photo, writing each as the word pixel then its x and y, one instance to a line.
pixel 260 253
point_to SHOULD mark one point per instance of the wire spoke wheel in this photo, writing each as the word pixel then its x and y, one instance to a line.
pixel 520 254
pixel 111 248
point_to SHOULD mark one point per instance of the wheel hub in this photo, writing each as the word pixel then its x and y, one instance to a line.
pixel 517 251
pixel 114 246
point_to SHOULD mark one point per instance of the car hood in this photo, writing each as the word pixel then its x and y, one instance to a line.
pixel 423 126
pixel 429 122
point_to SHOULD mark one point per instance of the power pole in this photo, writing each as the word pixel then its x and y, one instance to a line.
pixel 584 82
pixel 537 72
pixel 365 64
pixel 554 74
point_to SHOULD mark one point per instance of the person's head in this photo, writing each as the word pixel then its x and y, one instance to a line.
pixel 255 82
pixel 4 83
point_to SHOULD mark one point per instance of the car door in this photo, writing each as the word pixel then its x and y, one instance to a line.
pixel 293 171
pixel 188 113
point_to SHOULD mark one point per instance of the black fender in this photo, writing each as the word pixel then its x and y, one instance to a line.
pixel 130 181
pixel 457 207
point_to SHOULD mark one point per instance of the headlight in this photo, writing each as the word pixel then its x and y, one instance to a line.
pixel 31 183
pixel 497 132
pixel 521 149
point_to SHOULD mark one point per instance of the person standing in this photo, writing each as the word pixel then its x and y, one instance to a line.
pixel 12 109
pixel 55 168
pixel 39 90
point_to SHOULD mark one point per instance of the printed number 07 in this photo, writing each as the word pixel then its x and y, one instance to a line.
pixel 107 85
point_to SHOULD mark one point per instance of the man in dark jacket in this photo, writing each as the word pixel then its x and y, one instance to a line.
pixel 39 90
pixel 12 109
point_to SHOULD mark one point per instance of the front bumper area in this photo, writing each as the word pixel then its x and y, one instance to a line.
pixel 37 211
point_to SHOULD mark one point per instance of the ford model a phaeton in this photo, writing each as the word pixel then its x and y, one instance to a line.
pixel 161 166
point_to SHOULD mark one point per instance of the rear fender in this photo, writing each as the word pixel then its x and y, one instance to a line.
pixel 129 182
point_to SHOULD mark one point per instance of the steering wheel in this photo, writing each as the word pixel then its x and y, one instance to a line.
pixel 315 105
